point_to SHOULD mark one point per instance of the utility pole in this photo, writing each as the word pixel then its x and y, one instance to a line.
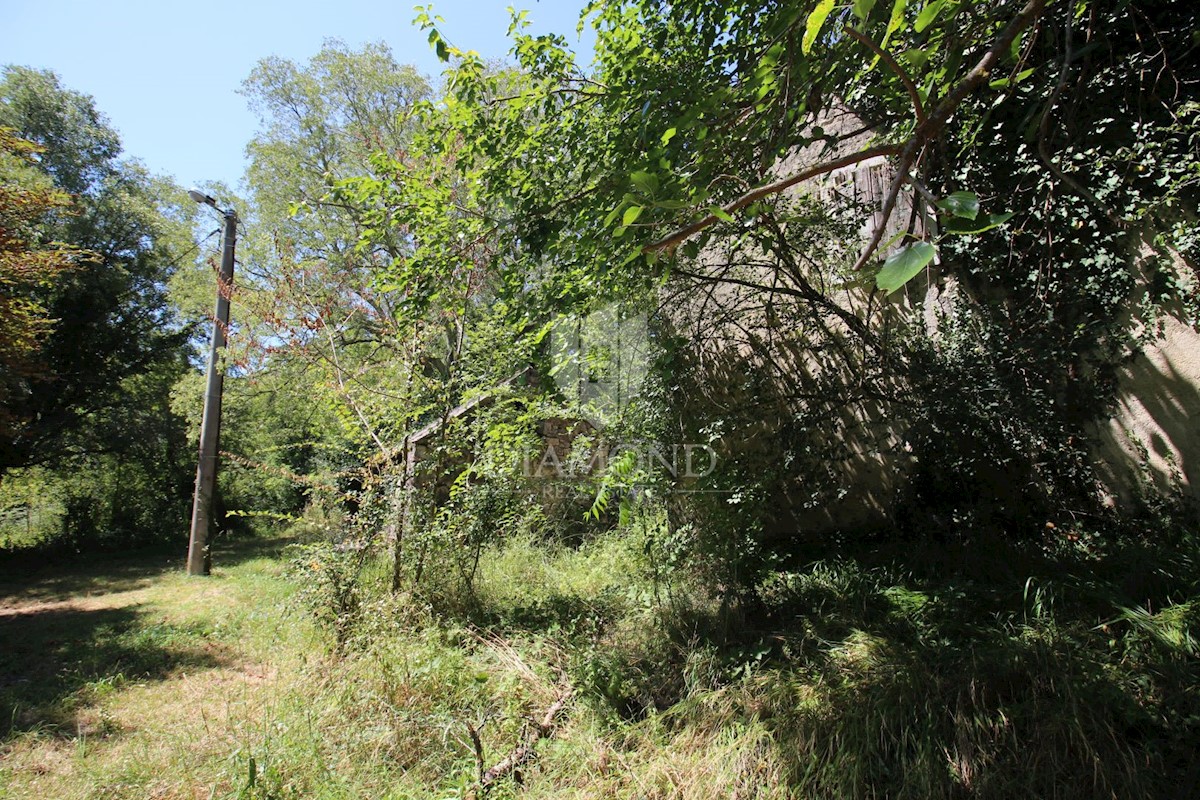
pixel 199 560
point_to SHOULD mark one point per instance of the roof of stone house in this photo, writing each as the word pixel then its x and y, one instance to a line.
pixel 480 400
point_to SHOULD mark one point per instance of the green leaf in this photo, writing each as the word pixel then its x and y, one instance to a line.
pixel 630 216
pixel 915 59
pixel 1003 82
pixel 646 181
pixel 599 505
pixel 960 204
pixel 903 265
pixel 720 213
pixel 989 221
pixel 894 23
pixel 668 135
pixel 862 8
pixel 813 27
pixel 770 59
pixel 928 14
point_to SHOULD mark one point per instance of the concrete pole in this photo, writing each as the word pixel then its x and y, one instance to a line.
pixel 199 561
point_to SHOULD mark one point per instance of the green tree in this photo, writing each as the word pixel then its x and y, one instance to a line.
pixel 114 320
pixel 321 122
pixel 29 265
pixel 305 311
pixel 684 159
pixel 306 288
pixel 99 411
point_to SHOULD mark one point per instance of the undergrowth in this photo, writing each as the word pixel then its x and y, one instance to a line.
pixel 1069 672
pixel 909 672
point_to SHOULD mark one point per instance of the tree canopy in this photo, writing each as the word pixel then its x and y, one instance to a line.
pixel 29 265
pixel 112 319
pixel 690 155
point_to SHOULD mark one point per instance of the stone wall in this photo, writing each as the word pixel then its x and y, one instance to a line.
pixel 1152 440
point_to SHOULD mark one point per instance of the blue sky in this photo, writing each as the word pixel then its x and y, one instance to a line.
pixel 166 73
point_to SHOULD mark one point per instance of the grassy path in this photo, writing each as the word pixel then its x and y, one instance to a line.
pixel 124 678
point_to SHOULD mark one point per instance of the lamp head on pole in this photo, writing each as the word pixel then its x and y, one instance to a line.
pixel 202 198
pixel 208 200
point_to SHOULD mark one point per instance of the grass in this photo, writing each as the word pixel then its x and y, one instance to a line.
pixel 123 678
pixel 1072 676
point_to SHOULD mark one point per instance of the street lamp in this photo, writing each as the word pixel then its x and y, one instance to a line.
pixel 199 561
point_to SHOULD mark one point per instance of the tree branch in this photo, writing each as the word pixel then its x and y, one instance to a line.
pixel 524 752
pixel 686 232
pixel 926 131
pixel 907 158
pixel 901 73
pixel 1044 138
pixel 981 71
pixel 941 114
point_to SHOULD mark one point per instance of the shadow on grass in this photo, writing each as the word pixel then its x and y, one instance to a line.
pixel 1018 674
pixel 42 577
pixel 26 580
pixel 955 685
pixel 57 660
pixel 232 552
pixel 57 656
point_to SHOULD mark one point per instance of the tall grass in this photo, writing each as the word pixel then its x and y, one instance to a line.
pixel 1064 677
pixel 845 678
